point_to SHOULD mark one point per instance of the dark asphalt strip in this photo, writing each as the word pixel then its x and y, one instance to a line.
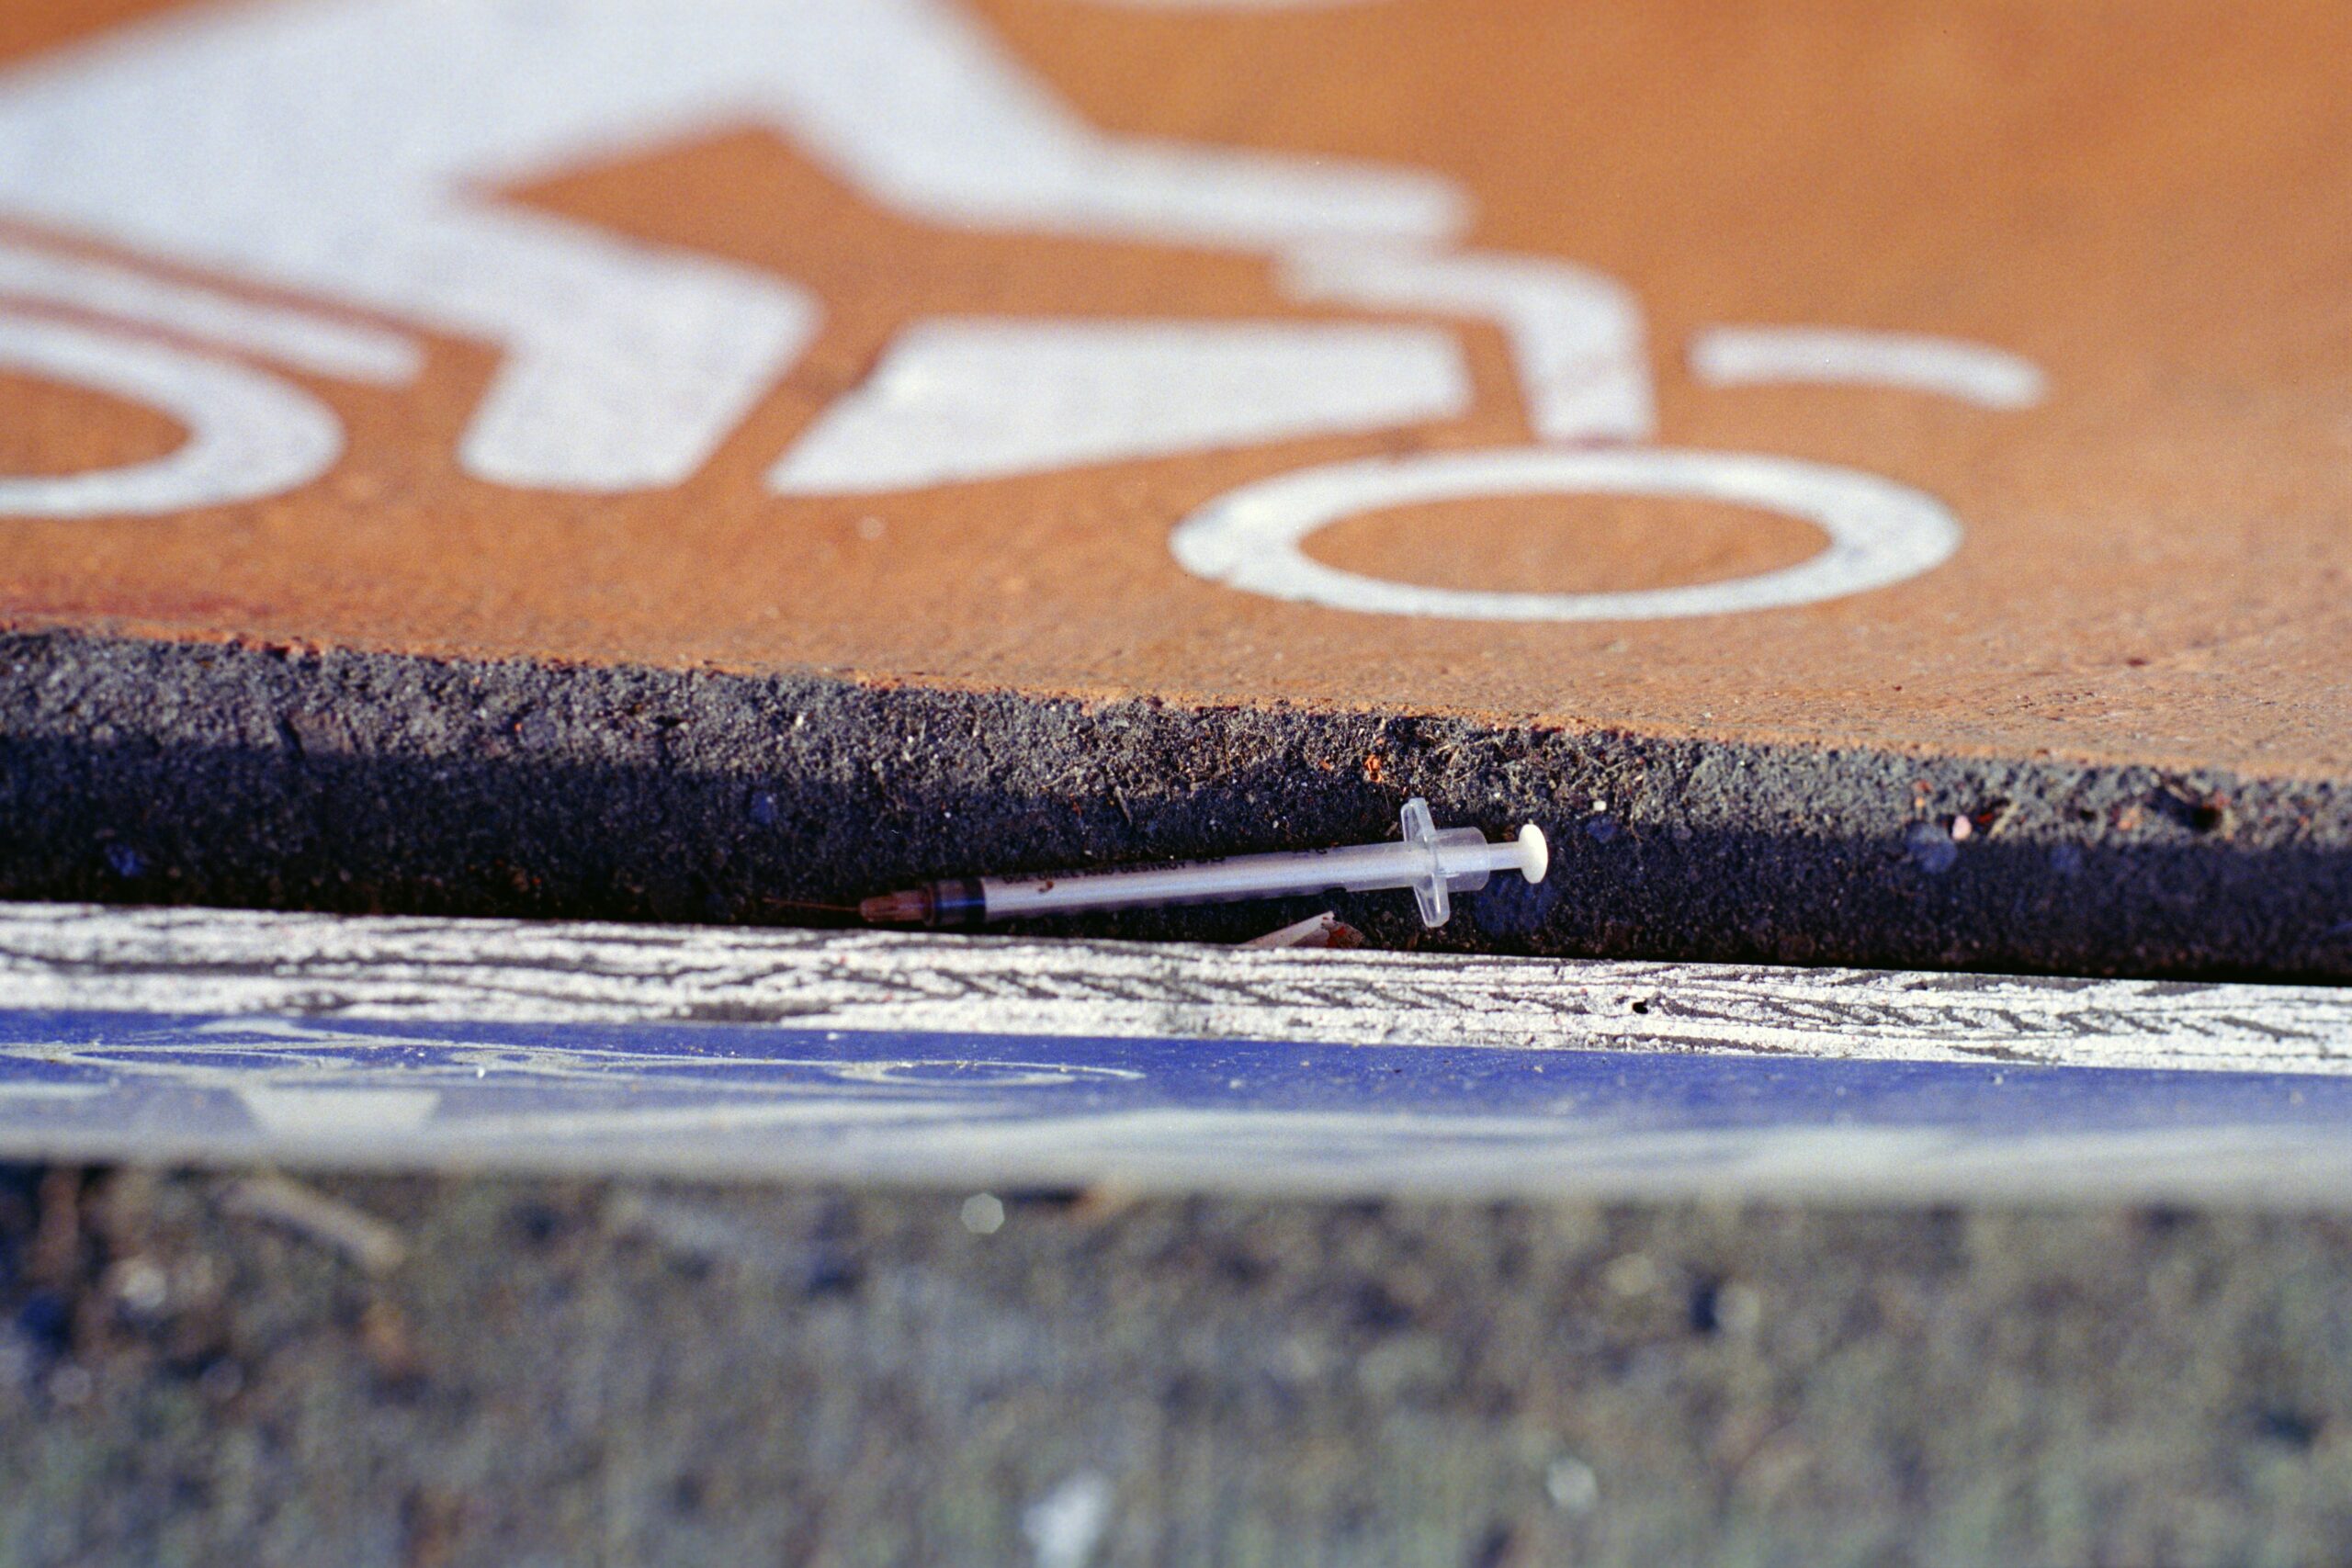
pixel 159 773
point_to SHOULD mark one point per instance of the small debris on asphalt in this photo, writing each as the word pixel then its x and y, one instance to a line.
pixel 142 1287
pixel 1066 1524
pixel 1631 1275
pixel 1325 929
pixel 373 1245
pixel 1572 1485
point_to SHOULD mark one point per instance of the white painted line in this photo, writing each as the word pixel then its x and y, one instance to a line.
pixel 1232 5
pixel 250 434
pixel 958 399
pixel 1880 532
pixel 349 149
pixel 300 338
pixel 1973 372
pixel 240 963
pixel 234 1038
pixel 1575 334
pixel 1247 1150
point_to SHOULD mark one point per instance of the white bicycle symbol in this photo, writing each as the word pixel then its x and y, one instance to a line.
pixel 624 365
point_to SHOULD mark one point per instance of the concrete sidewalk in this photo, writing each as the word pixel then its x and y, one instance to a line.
pixel 557 1374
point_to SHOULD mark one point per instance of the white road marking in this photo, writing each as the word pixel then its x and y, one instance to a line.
pixel 80 957
pixel 967 399
pixel 300 338
pixel 1880 532
pixel 336 1115
pixel 1347 1154
pixel 1575 335
pixel 1147 1069
pixel 250 434
pixel 1233 5
pixel 626 364
pixel 351 148
pixel 1258 1150
pixel 1973 372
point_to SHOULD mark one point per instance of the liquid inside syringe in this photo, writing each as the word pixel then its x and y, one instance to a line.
pixel 1434 863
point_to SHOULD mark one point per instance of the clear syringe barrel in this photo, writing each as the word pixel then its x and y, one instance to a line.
pixel 1433 861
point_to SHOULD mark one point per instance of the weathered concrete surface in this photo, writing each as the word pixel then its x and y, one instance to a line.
pixel 688 1376
pixel 236 774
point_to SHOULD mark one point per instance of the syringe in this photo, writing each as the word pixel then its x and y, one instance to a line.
pixel 1434 862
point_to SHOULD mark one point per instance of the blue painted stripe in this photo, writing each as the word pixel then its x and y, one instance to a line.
pixel 194 1072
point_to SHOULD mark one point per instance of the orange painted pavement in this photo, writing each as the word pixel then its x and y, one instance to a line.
pixel 2150 201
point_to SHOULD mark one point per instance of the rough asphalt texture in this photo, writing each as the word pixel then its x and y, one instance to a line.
pixel 622 1374
pixel 144 771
